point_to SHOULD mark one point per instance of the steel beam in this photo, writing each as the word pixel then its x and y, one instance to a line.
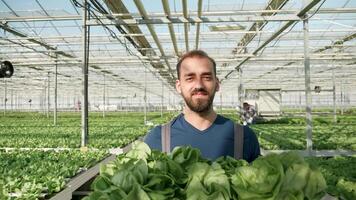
pixel 200 5
pixel 167 11
pixel 7 28
pixel 276 34
pixel 117 6
pixel 142 11
pixel 185 14
pixel 173 14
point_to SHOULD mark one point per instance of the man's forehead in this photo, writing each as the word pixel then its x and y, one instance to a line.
pixel 194 62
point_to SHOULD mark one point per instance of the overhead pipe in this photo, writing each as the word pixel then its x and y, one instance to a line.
pixel 200 5
pixel 167 11
pixel 185 14
pixel 144 15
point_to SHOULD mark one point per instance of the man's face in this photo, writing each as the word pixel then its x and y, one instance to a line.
pixel 197 83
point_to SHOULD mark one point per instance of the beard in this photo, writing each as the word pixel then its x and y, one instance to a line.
pixel 199 105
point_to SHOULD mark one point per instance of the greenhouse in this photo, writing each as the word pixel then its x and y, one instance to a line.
pixel 83 82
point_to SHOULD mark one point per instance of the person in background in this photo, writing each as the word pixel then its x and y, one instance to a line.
pixel 199 125
pixel 248 114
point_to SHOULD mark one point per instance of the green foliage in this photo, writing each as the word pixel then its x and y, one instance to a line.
pixel 35 130
pixel 30 174
pixel 347 189
pixel 340 175
pixel 183 174
pixel 292 136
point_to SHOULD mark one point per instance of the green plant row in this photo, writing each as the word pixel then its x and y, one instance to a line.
pixel 69 137
pixel 325 137
pixel 39 174
pixel 34 130
pixel 30 119
pixel 340 175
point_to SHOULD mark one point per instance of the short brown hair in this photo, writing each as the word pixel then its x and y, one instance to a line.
pixel 195 53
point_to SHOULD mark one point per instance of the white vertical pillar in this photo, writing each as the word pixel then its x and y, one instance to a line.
pixel 240 88
pixel 5 96
pixel 55 91
pixel 84 105
pixel 104 98
pixel 145 98
pixel 48 90
pixel 342 94
pixel 308 99
pixel 334 96
pixel 12 100
pixel 162 101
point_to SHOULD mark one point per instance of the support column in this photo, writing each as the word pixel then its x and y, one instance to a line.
pixel 17 101
pixel 104 100
pixel 162 102
pixel 240 87
pixel 308 99
pixel 55 92
pixel 334 97
pixel 12 100
pixel 48 90
pixel 342 94
pixel 5 96
pixel 280 102
pixel 85 45
pixel 145 98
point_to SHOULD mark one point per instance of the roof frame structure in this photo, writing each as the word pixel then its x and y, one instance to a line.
pixel 266 50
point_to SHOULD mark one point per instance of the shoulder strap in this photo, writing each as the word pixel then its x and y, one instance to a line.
pixel 166 137
pixel 238 141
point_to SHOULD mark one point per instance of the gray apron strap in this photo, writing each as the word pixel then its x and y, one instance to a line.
pixel 238 141
pixel 166 137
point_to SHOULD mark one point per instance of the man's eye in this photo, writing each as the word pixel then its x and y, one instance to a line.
pixel 189 79
pixel 208 78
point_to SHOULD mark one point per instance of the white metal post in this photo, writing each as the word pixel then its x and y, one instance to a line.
pixel 240 90
pixel 17 101
pixel 145 97
pixel 84 105
pixel 104 103
pixel 5 96
pixel 162 101
pixel 280 101
pixel 342 94
pixel 48 90
pixel 55 91
pixel 334 96
pixel 308 99
pixel 12 101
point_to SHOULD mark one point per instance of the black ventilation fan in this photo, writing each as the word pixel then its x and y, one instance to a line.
pixel 6 69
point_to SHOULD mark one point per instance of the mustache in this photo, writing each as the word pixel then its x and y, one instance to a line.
pixel 196 90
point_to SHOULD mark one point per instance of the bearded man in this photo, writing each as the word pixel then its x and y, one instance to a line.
pixel 198 125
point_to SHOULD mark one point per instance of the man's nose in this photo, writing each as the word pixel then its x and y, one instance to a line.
pixel 199 83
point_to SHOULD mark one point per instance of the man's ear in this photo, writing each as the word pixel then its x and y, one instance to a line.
pixel 217 85
pixel 178 88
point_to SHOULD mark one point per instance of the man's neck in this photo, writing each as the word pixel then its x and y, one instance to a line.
pixel 200 121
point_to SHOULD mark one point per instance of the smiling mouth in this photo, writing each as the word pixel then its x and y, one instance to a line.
pixel 200 94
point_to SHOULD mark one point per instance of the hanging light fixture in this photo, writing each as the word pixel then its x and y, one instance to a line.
pixel 6 69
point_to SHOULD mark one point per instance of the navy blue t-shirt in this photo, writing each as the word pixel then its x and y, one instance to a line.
pixel 213 142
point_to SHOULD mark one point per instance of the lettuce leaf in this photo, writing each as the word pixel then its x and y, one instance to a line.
pixel 261 180
pixel 207 182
